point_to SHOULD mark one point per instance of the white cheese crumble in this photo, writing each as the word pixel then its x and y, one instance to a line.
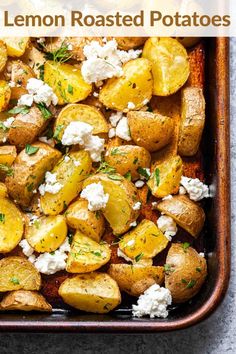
pixel 26 248
pixel 195 188
pixel 94 194
pixel 154 204
pixel 50 185
pixel 153 302
pixel 115 118
pixel 81 133
pixel 111 133
pixel 26 100
pixel 122 129
pixel 66 158
pixel 137 206
pixel 45 140
pixel 133 224
pixel 104 61
pixel 201 254
pixel 182 190
pixel 168 197
pixel 8 122
pixel 139 184
pixel 130 105
pixel 167 225
pixel 123 255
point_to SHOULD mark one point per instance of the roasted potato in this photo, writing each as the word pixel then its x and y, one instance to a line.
pixel 35 59
pixel 186 272
pixel 70 175
pixel 7 154
pixel 93 292
pixel 3 129
pixel 47 233
pixel 170 66
pixel 86 255
pixel 18 273
pixel 186 213
pixel 128 159
pixel 11 225
pixel 150 130
pixel 26 127
pixel 5 95
pixel 166 177
pixel 16 46
pixel 192 121
pixel 133 87
pixel 3 55
pixel 81 113
pixel 127 43
pixel 90 223
pixel 3 190
pixel 144 241
pixel 135 279
pixel 28 172
pixel 188 42
pixel 66 81
pixel 24 300
pixel 123 196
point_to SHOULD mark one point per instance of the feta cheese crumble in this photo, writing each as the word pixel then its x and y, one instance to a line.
pixel 8 122
pixel 50 185
pixel 195 188
pixel 122 129
pixel 153 302
pixel 45 140
pixel 81 133
pixel 139 184
pixel 167 225
pixel 137 206
pixel 94 194
pixel 131 105
pixel 26 248
pixel 115 117
pixel 26 100
pixel 111 133
pixel 133 224
pixel 201 254
pixel 168 197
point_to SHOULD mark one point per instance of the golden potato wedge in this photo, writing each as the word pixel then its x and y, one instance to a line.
pixel 144 241
pixel 16 46
pixel 170 66
pixel 166 177
pixel 35 59
pixel 11 225
pixel 26 127
pixel 28 172
pixel 127 43
pixel 91 224
pixel 192 121
pixel 135 279
pixel 86 255
pixel 94 292
pixel 47 233
pixel 18 273
pixel 70 175
pixel 3 129
pixel 66 81
pixel 81 113
pixel 5 95
pixel 186 213
pixel 123 195
pixel 150 130
pixel 3 55
pixel 3 190
pixel 7 154
pixel 134 86
pixel 128 159
pixel 186 272
pixel 25 300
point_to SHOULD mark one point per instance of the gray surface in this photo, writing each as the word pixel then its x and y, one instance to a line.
pixel 215 336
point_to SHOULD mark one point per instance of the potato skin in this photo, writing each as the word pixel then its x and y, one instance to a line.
pixel 127 43
pixel 128 158
pixel 18 273
pixel 88 222
pixel 135 86
pixel 186 213
pixel 28 172
pixel 25 300
pixel 187 272
pixel 135 279
pixel 192 121
pixel 5 95
pixel 93 292
pixel 150 130
pixel 3 55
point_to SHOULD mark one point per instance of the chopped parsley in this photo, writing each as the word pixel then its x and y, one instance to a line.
pixel 60 55
pixel 167 268
pixel 21 109
pixel 6 169
pixel 106 168
pixel 96 253
pixel 31 150
pixel 138 257
pixel 128 176
pixel 185 246
pixel 198 269
pixel 57 132
pixel 44 110
pixel 184 281
pixel 2 218
pixel 115 177
pixel 135 161
pixel 70 89
pixel 191 284
pixel 3 127
pixel 15 281
pixel 157 176
pixel 30 187
pixel 143 172
pixel 116 151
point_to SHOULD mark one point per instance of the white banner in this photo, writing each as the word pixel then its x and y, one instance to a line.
pixel 194 18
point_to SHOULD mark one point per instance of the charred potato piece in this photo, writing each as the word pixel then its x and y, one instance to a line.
pixel 150 130
pixel 192 121
pixel 24 300
pixel 90 223
pixel 186 213
pixel 186 272
pixel 128 159
pixel 5 95
pixel 93 292
pixel 135 279
pixel 29 171
pixel 11 225
pixel 7 154
pixel 18 273
pixel 3 55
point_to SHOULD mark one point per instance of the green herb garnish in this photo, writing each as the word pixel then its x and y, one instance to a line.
pixel 30 187
pixel 116 151
pixel 2 218
pixel 143 172
pixel 106 168
pixel 6 169
pixel 191 284
pixel 70 89
pixel 15 281
pixel 115 177
pixel 185 246
pixel 3 127
pixel 44 110
pixel 184 281
pixel 60 55
pixel 21 109
pixel 57 132
pixel 138 257
pixel 157 176
pixel 96 253
pixel 198 269
pixel 135 161
pixel 31 150
pixel 128 176
pixel 167 268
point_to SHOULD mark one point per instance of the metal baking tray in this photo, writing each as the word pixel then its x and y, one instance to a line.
pixel 215 159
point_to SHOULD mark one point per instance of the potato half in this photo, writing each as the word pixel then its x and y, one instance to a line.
pixel 186 272
pixel 25 300
pixel 16 46
pixel 93 292
pixel 5 95
pixel 3 55
pixel 7 154
pixel 186 213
